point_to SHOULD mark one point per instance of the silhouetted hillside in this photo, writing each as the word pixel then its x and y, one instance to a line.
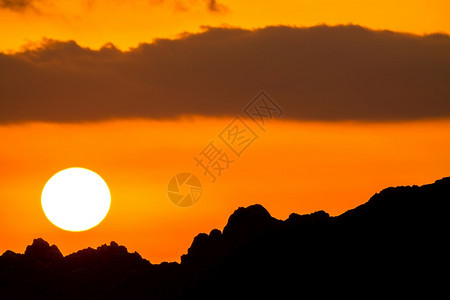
pixel 395 244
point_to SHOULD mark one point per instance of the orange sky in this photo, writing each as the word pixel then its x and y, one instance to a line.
pixel 293 167
pixel 93 23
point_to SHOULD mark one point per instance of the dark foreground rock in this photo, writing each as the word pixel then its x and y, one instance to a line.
pixel 395 244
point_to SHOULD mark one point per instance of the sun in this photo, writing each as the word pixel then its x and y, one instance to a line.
pixel 76 199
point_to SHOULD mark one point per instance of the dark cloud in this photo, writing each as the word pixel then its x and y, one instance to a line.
pixel 16 5
pixel 214 6
pixel 182 5
pixel 318 73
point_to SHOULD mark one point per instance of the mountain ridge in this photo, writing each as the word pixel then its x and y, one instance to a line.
pixel 396 227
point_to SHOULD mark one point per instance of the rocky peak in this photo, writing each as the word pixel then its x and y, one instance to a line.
pixel 40 250
pixel 248 221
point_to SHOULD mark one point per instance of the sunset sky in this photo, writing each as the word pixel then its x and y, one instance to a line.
pixel 135 90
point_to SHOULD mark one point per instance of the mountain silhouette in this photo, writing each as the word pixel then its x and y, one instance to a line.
pixel 41 251
pixel 393 245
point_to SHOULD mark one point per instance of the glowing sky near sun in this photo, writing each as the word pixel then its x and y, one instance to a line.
pixel 293 167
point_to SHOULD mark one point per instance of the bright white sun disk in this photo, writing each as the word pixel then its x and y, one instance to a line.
pixel 76 199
